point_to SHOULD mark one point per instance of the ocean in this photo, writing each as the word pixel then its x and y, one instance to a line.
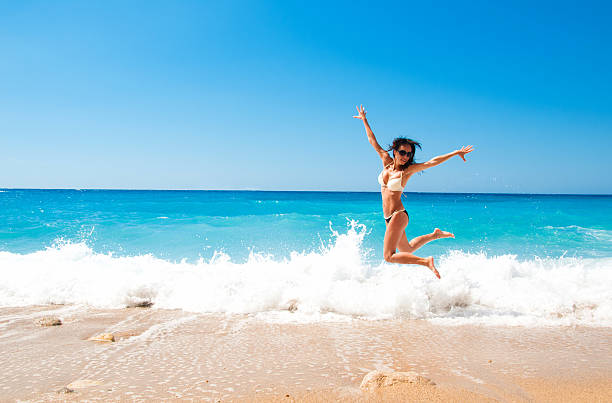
pixel 528 260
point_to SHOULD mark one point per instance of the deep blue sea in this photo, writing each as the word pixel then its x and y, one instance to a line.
pixel 516 259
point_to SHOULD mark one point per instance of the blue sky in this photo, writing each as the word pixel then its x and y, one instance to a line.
pixel 260 94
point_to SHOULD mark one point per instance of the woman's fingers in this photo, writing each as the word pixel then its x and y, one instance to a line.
pixel 465 150
pixel 361 112
pixel 358 113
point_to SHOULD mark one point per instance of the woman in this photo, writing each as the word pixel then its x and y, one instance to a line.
pixel 396 172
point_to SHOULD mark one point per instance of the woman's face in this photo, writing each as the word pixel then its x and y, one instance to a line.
pixel 405 149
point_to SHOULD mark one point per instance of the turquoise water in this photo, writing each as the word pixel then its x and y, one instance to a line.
pixel 516 259
pixel 192 224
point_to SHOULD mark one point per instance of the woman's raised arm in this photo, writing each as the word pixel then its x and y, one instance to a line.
pixel 440 159
pixel 384 156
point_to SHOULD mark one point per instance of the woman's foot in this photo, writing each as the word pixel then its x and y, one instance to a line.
pixel 438 233
pixel 430 264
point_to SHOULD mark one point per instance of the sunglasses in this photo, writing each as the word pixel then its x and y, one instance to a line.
pixel 403 153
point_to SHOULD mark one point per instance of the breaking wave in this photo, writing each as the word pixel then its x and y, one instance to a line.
pixel 335 281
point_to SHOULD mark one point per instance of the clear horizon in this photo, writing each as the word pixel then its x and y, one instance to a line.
pixel 311 191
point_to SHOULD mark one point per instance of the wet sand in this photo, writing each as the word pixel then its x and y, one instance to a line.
pixel 177 355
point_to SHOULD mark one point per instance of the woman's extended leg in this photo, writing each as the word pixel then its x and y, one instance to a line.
pixel 415 243
pixel 393 235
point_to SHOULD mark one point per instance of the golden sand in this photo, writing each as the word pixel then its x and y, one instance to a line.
pixel 165 355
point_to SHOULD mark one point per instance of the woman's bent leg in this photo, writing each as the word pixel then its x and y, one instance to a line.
pixel 393 236
pixel 416 243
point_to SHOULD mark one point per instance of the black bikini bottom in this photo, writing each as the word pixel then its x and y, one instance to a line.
pixel 387 219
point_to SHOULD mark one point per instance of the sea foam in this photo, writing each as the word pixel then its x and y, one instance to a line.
pixel 333 282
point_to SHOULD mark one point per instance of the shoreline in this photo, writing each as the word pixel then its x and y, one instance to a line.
pixel 173 354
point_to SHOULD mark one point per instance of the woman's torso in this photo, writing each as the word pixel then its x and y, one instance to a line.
pixel 392 185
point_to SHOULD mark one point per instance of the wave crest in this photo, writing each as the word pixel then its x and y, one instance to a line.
pixel 336 281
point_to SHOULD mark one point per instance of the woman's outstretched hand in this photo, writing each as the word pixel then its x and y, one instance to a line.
pixel 464 150
pixel 361 112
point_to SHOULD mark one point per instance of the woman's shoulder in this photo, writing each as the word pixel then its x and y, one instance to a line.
pixel 412 168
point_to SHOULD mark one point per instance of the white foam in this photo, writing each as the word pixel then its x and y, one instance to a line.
pixel 595 233
pixel 331 283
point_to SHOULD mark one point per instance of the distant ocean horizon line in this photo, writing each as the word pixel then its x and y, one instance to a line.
pixel 306 191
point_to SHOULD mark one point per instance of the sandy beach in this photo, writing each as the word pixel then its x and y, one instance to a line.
pixel 282 201
pixel 176 355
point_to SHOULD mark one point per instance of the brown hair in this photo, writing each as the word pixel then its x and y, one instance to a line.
pixel 402 141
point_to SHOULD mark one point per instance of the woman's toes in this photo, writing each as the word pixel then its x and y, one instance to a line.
pixel 438 233
pixel 443 234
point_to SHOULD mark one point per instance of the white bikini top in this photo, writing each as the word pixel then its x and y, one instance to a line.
pixel 394 184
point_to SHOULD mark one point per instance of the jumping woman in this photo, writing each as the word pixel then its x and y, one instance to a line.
pixel 396 172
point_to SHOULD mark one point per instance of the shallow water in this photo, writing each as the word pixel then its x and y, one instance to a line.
pixel 163 354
